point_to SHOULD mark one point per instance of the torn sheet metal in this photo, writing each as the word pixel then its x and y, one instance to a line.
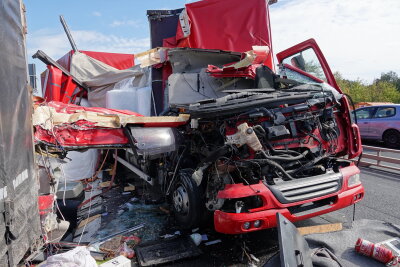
pixel 186 88
pixel 246 67
pixel 193 60
pixel 48 117
pixel 69 125
pixel 190 83
pixel 152 57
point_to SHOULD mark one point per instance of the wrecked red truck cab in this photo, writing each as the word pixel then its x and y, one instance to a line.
pixel 298 200
pixel 236 139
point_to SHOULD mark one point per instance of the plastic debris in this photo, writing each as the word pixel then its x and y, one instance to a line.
pixel 120 261
pixel 105 184
pixel 112 246
pixel 254 258
pixel 171 235
pixel 166 211
pixel 126 251
pixel 119 212
pixel 78 257
pixel 129 188
pixel 196 238
pixel 130 206
pixel 134 199
pixel 212 242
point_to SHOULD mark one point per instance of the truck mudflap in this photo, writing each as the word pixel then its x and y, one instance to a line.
pixel 265 216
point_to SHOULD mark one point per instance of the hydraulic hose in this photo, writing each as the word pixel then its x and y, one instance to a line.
pixel 277 165
pixel 289 158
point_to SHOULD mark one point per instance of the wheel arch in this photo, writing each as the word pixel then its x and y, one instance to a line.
pixel 389 129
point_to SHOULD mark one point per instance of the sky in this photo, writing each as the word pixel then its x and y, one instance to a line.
pixel 359 38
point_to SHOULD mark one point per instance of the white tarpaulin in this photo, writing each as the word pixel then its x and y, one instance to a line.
pixel 101 78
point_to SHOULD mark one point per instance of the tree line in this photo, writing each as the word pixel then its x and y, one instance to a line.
pixel 384 89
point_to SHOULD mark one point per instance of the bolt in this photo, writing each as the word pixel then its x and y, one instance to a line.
pixel 249 130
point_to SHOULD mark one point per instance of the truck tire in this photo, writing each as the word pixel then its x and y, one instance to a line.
pixel 187 200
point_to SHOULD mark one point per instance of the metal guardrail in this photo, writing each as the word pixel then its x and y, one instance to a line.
pixel 373 156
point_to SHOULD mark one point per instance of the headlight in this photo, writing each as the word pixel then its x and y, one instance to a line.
pixel 246 225
pixel 354 180
pixel 257 223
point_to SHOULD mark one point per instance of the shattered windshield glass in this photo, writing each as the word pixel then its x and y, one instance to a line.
pixel 294 75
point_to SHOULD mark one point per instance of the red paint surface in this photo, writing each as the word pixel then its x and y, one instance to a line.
pixel 248 72
pixel 45 204
pixel 310 43
pixel 85 133
pixel 234 27
pixel 232 223
pixel 61 88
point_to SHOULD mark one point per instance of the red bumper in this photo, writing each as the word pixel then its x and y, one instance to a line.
pixel 232 223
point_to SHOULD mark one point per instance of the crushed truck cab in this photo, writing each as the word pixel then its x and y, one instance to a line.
pixel 235 136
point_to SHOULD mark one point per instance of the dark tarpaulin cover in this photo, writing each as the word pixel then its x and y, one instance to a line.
pixel 163 25
pixel 342 243
pixel 17 174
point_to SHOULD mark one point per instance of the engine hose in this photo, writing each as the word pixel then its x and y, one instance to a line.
pixel 290 158
pixel 273 150
pixel 308 165
pixel 259 129
pixel 278 166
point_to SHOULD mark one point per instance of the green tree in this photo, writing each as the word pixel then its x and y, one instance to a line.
pixel 379 91
pixel 390 77
pixel 356 89
pixel 383 91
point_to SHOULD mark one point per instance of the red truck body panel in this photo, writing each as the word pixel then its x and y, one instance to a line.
pixel 58 87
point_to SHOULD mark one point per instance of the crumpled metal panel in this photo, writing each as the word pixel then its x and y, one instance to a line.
pixel 17 173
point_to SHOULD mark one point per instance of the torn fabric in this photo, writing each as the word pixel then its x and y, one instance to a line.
pixel 100 77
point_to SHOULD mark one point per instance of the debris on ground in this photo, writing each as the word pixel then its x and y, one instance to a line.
pixel 168 250
pixel 79 256
pixel 120 261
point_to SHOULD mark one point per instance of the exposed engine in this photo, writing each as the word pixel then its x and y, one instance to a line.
pixel 233 140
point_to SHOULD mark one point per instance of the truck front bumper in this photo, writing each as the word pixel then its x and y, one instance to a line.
pixel 265 216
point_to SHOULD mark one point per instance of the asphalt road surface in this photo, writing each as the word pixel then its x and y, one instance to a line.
pixel 382 194
pixel 381 200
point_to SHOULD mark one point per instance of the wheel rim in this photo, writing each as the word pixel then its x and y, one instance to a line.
pixel 391 138
pixel 181 200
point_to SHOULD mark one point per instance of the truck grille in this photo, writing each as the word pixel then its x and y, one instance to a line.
pixel 307 188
